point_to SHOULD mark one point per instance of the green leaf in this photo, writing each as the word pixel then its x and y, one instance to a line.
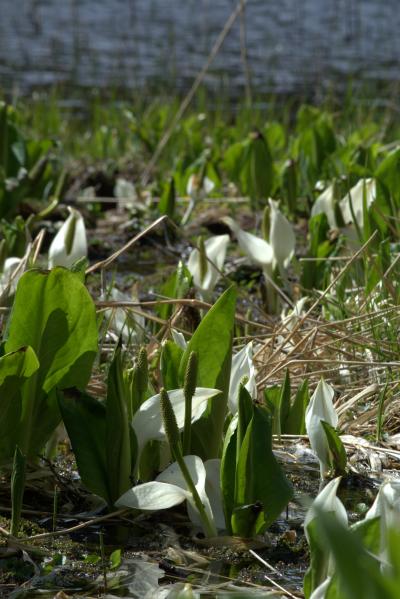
pixel 15 368
pixel 167 200
pixel 115 559
pixel 118 431
pixel 85 420
pixel 212 341
pixel 259 477
pixel 295 422
pixel 171 357
pixel 228 472
pixel 336 448
pixel 55 315
pixel 358 571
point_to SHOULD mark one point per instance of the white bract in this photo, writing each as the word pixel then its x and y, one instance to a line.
pixel 290 318
pixel 242 365
pixel 280 248
pixel 327 502
pixel 10 276
pixel 320 409
pixel 148 422
pixel 215 249
pixel 69 245
pixel 353 201
pixel 258 250
pixel 281 236
pixel 199 188
pixel 170 489
pixel 126 194
pixel 387 507
pixel 325 204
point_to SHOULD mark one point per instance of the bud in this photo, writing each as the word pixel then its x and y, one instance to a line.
pixel 189 386
pixel 170 424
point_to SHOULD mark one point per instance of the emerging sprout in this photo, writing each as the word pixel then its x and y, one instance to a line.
pixel 69 245
pixel 320 409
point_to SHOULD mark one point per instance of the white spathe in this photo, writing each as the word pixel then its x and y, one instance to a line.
pixel 321 408
pixel 280 248
pixel 281 236
pixel 327 501
pixel 148 423
pixel 242 365
pixel 387 507
pixel 215 249
pixel 258 250
pixel 170 489
pixel 354 199
pixel 70 244
pixel 10 276
pixel 325 204
pixel 195 187
pixel 290 318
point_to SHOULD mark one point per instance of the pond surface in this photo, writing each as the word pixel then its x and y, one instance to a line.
pixel 291 44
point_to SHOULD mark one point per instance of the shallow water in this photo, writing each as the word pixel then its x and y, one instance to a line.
pixel 291 44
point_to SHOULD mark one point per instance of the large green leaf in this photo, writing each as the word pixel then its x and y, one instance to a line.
pixel 15 368
pixel 228 471
pixel 259 477
pixel 295 423
pixel 118 431
pixel 55 315
pixel 85 421
pixel 212 341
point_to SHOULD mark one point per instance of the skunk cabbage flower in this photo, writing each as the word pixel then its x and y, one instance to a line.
pixel 258 250
pixel 321 408
pixel 9 277
pixel 215 249
pixel 290 318
pixel 354 199
pixel 197 188
pixel 69 245
pixel 281 236
pixel 242 365
pixel 170 489
pixel 387 507
pixel 148 423
pixel 326 501
pixel 325 204
pixel 126 194
pixel 280 249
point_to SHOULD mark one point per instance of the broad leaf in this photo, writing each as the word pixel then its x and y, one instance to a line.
pixel 212 341
pixel 85 421
pixel 54 314
pixel 15 368
pixel 259 477
pixel 118 435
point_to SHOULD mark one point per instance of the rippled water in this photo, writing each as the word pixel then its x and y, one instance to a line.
pixel 291 43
